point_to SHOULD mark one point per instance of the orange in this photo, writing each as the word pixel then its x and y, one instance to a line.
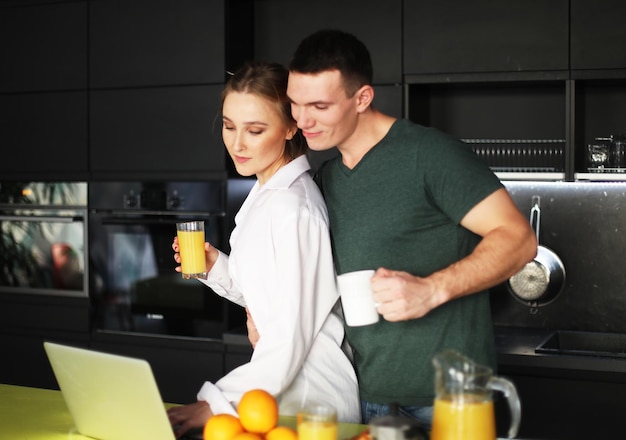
pixel 247 436
pixel 258 411
pixel 222 427
pixel 281 433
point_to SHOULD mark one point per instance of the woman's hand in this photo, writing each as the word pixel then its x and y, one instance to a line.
pixel 192 416
pixel 209 251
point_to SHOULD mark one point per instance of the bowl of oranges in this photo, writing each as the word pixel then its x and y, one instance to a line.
pixel 258 420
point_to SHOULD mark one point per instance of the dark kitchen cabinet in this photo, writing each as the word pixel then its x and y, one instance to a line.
pixel 180 365
pixel 24 359
pixel 598 34
pixel 44 313
pixel 44 46
pixel 26 321
pixel 376 23
pixel 485 36
pixel 43 103
pixel 172 131
pixel 156 42
pixel 44 135
pixel 559 405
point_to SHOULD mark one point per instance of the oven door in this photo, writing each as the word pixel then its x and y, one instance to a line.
pixel 43 251
pixel 134 287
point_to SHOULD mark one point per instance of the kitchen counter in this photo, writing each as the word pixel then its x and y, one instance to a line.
pixel 40 414
pixel 563 395
pixel 516 346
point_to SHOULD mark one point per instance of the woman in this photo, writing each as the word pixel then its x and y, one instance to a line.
pixel 280 266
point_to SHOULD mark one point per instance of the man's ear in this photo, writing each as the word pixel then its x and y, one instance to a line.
pixel 365 96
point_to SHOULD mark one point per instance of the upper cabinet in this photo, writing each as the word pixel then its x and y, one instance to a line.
pixel 485 36
pixel 598 34
pixel 95 88
pixel 280 25
pixel 44 135
pixel 156 42
pixel 174 132
pixel 44 47
pixel 43 101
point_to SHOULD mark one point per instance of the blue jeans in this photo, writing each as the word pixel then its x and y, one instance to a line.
pixel 423 414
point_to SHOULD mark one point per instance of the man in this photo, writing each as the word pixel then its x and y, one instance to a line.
pixel 415 204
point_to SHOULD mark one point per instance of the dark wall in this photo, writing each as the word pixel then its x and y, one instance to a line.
pixel 584 223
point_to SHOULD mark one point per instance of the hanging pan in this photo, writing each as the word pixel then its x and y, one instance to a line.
pixel 541 280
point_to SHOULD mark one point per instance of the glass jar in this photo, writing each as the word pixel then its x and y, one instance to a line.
pixel 598 155
pixel 618 153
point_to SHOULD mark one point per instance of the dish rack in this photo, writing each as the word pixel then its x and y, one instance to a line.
pixel 521 155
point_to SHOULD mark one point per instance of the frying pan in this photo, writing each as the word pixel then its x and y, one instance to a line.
pixel 541 280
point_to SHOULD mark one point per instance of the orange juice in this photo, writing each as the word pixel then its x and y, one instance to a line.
pixel 193 260
pixel 470 418
pixel 317 431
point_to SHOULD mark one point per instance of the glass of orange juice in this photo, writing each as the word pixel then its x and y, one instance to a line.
pixel 317 422
pixel 191 245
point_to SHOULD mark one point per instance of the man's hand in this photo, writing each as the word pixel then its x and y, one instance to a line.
pixel 401 296
pixel 253 333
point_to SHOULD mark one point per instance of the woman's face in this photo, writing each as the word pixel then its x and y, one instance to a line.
pixel 254 134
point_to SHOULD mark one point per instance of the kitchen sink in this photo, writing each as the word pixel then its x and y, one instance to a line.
pixel 584 344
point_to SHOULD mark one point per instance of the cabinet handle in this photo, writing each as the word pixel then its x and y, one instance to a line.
pixel 39 219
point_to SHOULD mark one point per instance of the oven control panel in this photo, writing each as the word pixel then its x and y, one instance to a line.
pixel 206 196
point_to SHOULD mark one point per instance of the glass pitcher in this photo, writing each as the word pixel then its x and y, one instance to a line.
pixel 463 407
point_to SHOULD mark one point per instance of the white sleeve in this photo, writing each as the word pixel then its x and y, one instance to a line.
pixel 220 281
pixel 217 400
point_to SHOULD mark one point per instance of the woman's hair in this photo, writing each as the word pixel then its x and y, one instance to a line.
pixel 268 81
pixel 332 49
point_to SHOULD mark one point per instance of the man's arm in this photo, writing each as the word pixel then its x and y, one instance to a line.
pixel 508 243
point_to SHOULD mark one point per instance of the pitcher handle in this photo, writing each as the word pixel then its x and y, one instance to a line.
pixel 510 392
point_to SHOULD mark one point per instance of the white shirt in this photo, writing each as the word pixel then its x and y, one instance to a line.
pixel 281 268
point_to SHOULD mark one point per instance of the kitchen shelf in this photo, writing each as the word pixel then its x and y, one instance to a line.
pixel 601 177
pixel 530 176
pixel 520 129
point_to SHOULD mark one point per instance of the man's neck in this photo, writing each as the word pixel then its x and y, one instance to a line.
pixel 372 127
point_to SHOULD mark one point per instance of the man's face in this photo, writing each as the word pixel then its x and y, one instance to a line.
pixel 326 116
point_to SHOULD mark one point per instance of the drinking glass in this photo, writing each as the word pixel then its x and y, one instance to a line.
pixel 191 245
pixel 317 422
pixel 598 155
pixel 618 153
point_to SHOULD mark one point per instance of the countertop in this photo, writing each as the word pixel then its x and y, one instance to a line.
pixel 40 414
pixel 516 350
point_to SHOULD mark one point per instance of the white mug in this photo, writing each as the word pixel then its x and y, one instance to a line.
pixel 357 298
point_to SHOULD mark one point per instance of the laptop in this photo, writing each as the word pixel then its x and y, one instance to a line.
pixel 110 397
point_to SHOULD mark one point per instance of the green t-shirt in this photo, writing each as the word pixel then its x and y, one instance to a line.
pixel 400 208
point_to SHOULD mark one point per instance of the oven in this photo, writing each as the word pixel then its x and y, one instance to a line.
pixel 133 285
pixel 44 238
